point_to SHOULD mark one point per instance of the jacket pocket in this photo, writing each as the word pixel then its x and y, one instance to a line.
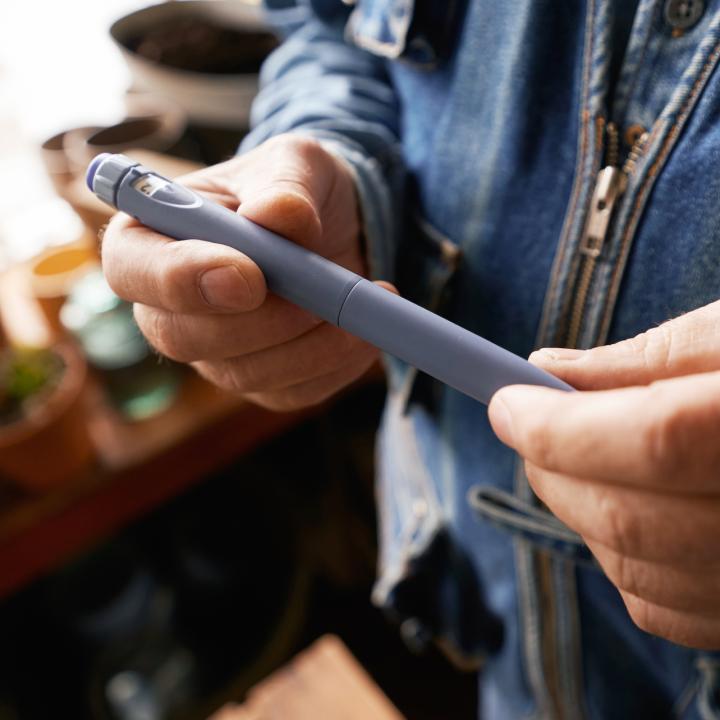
pixel 420 32
pixel 427 262
pixel 426 583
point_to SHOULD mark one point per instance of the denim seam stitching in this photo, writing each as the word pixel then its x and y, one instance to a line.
pixel 639 61
pixel 571 694
pixel 575 692
pixel 578 182
pixel 529 611
pixel 672 134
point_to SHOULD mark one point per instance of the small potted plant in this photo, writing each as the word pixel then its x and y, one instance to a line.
pixel 44 439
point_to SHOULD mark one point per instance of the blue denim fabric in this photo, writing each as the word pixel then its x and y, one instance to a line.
pixel 475 131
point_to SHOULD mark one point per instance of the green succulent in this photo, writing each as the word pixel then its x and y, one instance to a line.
pixel 26 375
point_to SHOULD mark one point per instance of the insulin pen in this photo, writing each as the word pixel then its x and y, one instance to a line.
pixel 447 352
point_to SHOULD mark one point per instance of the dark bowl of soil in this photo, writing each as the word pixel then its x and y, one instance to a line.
pixel 204 56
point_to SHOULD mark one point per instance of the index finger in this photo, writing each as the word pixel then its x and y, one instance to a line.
pixel 188 276
pixel 662 436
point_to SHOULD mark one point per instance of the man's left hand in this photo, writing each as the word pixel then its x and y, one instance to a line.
pixel 632 463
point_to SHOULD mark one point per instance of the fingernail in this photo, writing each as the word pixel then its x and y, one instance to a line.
pixel 560 353
pixel 224 288
pixel 501 420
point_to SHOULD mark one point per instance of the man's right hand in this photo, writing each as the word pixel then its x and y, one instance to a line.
pixel 207 304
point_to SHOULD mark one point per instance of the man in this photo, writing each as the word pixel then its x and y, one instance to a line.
pixel 544 174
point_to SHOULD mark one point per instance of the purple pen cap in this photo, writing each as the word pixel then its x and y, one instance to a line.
pixel 93 167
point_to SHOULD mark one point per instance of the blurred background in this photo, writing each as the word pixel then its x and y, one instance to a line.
pixel 165 548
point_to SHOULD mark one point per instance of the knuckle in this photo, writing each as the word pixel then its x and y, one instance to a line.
pixel 286 401
pixel 171 285
pixel 298 397
pixel 539 446
pixel 311 394
pixel 645 615
pixel 115 265
pixel 110 234
pixel 666 623
pixel 271 401
pixel 662 441
pixel 659 353
pixel 653 346
pixel 619 529
pixel 638 345
pixel 345 352
pixel 294 205
pixel 300 145
pixel 146 319
pixel 247 374
pixel 241 375
pixel 347 346
pixel 532 472
pixel 623 573
pixel 113 273
pixel 286 205
pixel 113 278
pixel 222 374
pixel 162 332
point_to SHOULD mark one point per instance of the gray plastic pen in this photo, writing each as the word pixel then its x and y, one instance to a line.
pixel 446 351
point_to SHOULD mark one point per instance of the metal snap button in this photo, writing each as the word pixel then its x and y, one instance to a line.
pixel 415 634
pixel 683 14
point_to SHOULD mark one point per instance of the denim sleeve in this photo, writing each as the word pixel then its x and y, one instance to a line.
pixel 317 84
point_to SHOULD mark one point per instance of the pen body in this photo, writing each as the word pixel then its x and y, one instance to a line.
pixel 296 274
pixel 446 351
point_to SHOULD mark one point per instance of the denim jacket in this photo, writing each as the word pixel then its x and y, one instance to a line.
pixel 476 132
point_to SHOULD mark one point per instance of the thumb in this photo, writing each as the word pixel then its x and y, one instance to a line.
pixel 688 344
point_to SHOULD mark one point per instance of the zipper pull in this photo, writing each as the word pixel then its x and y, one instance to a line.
pixel 609 187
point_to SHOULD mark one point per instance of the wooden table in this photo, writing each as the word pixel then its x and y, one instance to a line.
pixel 140 465
pixel 324 681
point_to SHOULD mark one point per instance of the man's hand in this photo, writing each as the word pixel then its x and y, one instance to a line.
pixel 208 305
pixel 634 467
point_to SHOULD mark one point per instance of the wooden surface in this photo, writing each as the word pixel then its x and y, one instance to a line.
pixel 324 682
pixel 140 465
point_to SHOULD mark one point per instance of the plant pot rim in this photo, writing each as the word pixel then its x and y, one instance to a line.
pixel 51 285
pixel 71 383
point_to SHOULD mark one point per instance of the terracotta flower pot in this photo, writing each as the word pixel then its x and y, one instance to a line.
pixel 52 444
pixel 53 274
pixel 54 155
pixel 64 173
pixel 152 124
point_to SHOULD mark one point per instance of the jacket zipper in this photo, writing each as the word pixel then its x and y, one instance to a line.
pixel 610 186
